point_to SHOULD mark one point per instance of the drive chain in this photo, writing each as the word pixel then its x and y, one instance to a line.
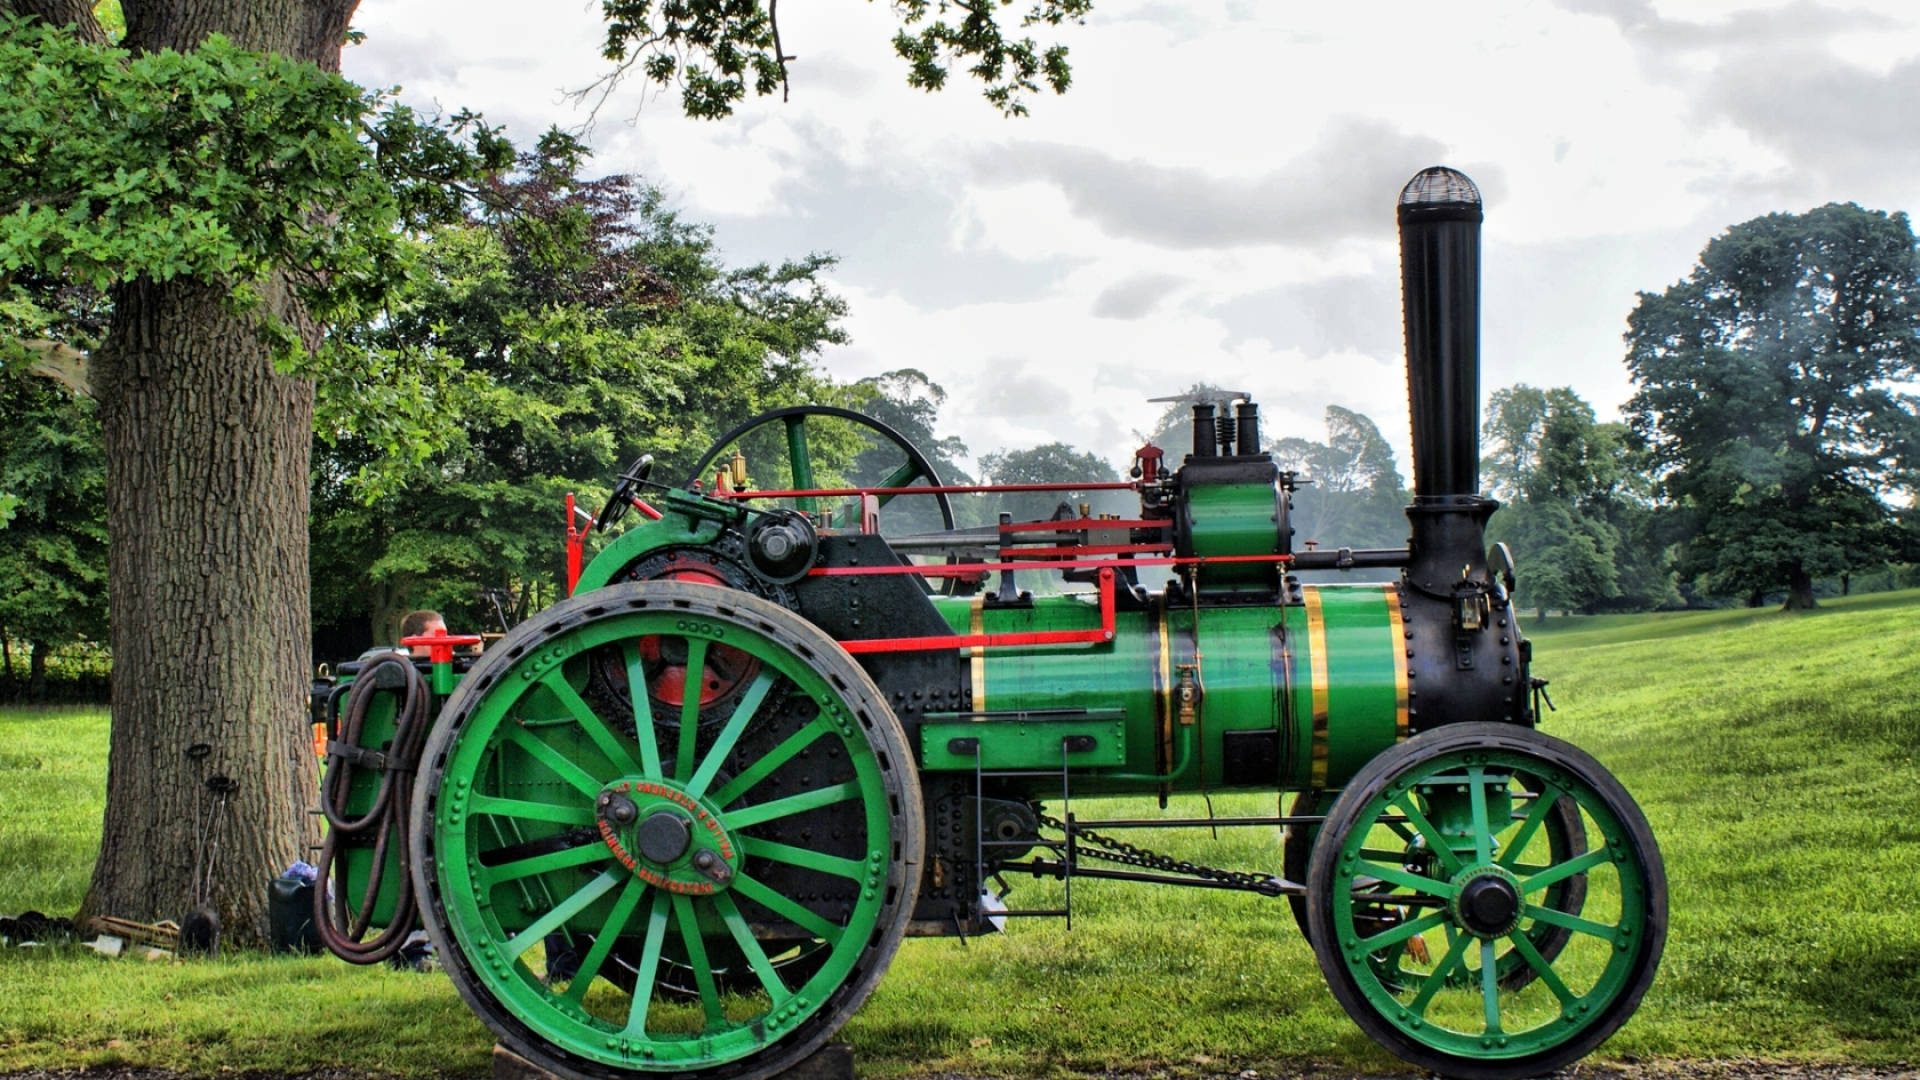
pixel 1110 849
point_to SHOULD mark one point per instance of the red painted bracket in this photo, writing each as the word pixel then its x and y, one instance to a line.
pixel 440 646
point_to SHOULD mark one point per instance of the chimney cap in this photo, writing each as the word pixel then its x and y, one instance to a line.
pixel 1439 186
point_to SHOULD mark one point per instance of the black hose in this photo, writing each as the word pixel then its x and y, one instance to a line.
pixel 341 925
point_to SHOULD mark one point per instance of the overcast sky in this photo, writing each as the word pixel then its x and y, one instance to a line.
pixel 1214 197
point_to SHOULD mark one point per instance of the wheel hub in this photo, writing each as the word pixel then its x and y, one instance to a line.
pixel 1488 904
pixel 666 837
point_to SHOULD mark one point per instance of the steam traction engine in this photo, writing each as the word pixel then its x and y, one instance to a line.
pixel 680 822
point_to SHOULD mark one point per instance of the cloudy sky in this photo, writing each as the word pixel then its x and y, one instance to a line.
pixel 1214 197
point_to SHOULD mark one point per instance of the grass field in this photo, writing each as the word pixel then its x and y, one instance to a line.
pixel 1777 757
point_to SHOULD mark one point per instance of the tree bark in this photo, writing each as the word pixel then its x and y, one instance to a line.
pixel 1799 590
pixel 37 672
pixel 208 450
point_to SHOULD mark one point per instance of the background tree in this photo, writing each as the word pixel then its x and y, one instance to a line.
pixel 1357 498
pixel 1053 463
pixel 1552 464
pixel 53 545
pixel 1771 396
pixel 579 321
pixel 234 197
pixel 909 402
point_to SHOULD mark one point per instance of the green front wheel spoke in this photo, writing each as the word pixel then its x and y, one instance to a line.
pixel 648 970
pixel 1536 817
pixel 729 735
pixel 772 810
pixel 1455 957
pixel 1567 869
pixel 566 909
pixel 791 910
pixel 1542 969
pixel 1406 879
pixel 1436 841
pixel 1490 986
pixel 1572 922
pixel 771 760
pixel 851 869
pixel 1482 832
pixel 1410 928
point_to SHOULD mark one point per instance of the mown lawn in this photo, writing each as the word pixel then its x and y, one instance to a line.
pixel 1777 757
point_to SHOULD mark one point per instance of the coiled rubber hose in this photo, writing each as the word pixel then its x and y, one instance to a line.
pixel 342 926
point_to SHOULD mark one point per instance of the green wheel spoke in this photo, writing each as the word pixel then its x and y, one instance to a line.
pixel 1410 928
pixel 606 936
pixel 1436 841
pixel 1565 870
pixel 590 722
pixel 531 811
pixel 696 947
pixel 648 971
pixel 750 948
pixel 1490 986
pixel 1571 922
pixel 900 477
pixel 1482 832
pixel 852 869
pixel 580 855
pixel 1455 957
pixel 690 690
pixel 770 761
pixel 1386 855
pixel 642 711
pixel 760 813
pixel 1410 880
pixel 1542 968
pixel 562 766
pixel 729 735
pixel 1399 829
pixel 1536 817
pixel 564 910
pixel 791 910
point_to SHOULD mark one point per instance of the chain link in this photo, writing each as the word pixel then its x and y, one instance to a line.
pixel 1119 851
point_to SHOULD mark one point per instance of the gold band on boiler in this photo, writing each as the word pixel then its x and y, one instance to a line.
pixel 1399 647
pixel 1317 662
pixel 976 625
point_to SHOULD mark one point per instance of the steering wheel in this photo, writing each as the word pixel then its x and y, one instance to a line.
pixel 623 492
pixel 794 419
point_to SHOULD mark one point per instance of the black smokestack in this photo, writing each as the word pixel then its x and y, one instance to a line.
pixel 1440 289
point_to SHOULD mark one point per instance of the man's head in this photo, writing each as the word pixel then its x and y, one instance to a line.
pixel 419 624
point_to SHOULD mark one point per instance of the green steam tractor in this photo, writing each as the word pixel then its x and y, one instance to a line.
pixel 680 822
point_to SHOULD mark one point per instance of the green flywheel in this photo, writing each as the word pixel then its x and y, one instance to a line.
pixel 666 827
pixel 1442 872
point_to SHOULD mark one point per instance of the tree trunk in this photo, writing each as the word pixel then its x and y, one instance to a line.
pixel 37 672
pixel 207 487
pixel 1799 590
pixel 208 449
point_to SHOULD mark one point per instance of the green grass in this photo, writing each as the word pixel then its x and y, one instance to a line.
pixel 1777 757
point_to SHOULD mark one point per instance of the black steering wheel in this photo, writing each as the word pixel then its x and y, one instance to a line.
pixel 623 492
pixel 794 419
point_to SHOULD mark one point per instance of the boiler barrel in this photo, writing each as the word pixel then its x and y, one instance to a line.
pixel 1255 698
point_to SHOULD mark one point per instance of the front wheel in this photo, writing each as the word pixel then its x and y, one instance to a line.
pixel 1443 852
pixel 617 886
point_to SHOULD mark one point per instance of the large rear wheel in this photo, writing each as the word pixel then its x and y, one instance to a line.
pixel 615 890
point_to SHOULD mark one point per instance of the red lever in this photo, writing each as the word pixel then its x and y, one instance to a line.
pixel 440 646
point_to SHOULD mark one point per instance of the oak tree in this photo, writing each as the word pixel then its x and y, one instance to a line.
pixel 1772 391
